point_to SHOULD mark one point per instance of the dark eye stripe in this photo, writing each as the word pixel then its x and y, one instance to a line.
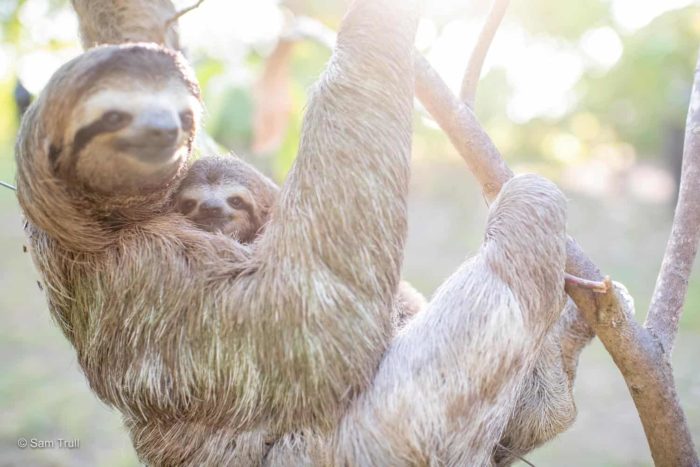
pixel 106 124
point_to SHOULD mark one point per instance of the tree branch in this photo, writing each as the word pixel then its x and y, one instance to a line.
pixel 479 152
pixel 117 22
pixel 636 352
pixel 672 283
pixel 462 128
pixel 7 185
pixel 646 370
pixel 476 60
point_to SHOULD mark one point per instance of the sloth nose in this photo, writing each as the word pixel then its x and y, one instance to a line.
pixel 162 136
pixel 159 128
pixel 211 208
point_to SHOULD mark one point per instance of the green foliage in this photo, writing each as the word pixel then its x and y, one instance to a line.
pixel 637 102
pixel 650 86
pixel 9 19
pixel 207 68
pixel 229 118
pixel 8 129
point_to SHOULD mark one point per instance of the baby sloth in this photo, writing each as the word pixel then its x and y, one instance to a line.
pixel 224 194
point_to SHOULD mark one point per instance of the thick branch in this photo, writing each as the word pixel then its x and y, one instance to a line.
pixel 461 126
pixel 476 61
pixel 648 374
pixel 672 284
pixel 478 151
pixel 105 22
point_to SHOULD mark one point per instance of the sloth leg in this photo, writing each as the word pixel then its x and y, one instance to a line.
pixel 452 378
pixel 546 405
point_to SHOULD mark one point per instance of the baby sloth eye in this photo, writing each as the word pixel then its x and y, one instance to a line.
pixel 187 206
pixel 236 202
pixel 186 120
pixel 115 118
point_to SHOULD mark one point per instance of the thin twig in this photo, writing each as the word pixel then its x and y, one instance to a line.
pixel 600 287
pixel 181 13
pixel 672 283
pixel 7 185
pixel 483 43
pixel 513 453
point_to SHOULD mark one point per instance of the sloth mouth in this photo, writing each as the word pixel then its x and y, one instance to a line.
pixel 154 154
pixel 149 152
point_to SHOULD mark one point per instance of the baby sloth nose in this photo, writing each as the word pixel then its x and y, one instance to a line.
pixel 211 208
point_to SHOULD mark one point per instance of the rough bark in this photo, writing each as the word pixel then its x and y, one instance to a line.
pixel 672 283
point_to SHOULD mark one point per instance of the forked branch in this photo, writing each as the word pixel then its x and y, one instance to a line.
pixel 646 370
pixel 638 354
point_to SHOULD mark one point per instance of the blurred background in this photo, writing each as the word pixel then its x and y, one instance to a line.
pixel 592 94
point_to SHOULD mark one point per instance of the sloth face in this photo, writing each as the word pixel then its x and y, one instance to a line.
pixel 132 139
pixel 222 206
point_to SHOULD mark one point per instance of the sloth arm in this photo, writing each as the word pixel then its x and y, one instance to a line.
pixel 450 380
pixel 328 263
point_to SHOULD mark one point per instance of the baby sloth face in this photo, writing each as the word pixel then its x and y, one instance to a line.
pixel 223 206
pixel 225 195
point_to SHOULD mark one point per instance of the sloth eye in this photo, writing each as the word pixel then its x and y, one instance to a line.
pixel 186 120
pixel 236 202
pixel 187 206
pixel 115 118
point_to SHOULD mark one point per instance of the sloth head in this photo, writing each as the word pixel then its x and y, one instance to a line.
pixel 118 119
pixel 109 137
pixel 130 128
pixel 225 194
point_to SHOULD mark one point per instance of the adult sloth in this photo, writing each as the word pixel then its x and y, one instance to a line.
pixel 179 327
pixel 197 338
